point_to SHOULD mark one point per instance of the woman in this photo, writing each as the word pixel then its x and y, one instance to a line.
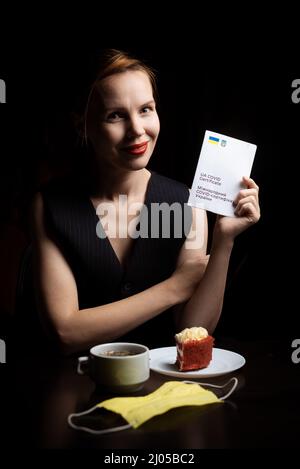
pixel 96 280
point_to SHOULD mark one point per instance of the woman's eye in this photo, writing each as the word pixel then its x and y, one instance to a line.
pixel 145 110
pixel 114 116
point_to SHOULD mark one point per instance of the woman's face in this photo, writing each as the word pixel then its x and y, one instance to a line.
pixel 123 124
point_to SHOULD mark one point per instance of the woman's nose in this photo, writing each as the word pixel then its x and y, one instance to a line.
pixel 135 127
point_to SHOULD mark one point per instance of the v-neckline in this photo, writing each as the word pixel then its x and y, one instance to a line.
pixel 128 259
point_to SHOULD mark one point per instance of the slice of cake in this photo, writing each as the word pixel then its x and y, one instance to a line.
pixel 194 348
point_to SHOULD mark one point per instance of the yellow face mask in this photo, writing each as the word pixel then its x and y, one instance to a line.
pixel 172 394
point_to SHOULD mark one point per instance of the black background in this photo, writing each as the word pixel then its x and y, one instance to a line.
pixel 228 81
pixel 230 73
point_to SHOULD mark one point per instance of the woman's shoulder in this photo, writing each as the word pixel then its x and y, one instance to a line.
pixel 63 199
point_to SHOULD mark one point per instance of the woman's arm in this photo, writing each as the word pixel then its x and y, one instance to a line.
pixel 205 305
pixel 57 297
pixel 194 251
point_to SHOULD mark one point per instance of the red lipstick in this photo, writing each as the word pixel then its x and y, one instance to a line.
pixel 137 149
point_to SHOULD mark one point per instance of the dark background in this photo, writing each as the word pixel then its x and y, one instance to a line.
pixel 242 89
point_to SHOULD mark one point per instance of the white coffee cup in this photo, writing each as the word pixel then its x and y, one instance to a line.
pixel 117 366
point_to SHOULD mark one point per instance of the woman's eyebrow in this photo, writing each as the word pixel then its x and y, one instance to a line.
pixel 122 108
pixel 148 103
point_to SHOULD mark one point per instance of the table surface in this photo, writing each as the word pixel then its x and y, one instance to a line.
pixel 264 410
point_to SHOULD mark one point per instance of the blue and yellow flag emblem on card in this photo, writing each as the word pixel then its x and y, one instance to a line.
pixel 213 140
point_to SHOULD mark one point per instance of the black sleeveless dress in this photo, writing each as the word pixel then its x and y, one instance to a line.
pixel 100 278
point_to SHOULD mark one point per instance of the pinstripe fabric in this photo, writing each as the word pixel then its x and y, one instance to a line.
pixel 100 278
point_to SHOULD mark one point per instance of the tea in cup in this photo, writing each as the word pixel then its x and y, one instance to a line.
pixel 117 367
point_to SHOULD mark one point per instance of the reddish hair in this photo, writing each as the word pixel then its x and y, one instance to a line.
pixel 114 61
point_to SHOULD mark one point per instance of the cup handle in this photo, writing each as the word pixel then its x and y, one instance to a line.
pixel 82 365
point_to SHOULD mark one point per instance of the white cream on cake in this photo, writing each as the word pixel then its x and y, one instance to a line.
pixel 191 333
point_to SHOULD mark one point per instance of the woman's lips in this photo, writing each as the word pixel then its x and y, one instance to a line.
pixel 137 149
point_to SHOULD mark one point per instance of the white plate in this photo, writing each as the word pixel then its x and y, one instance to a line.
pixel 162 360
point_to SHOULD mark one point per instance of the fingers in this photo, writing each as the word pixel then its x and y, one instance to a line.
pixel 247 201
pixel 248 207
pixel 250 183
pixel 252 190
pixel 250 212
pixel 251 198
pixel 245 193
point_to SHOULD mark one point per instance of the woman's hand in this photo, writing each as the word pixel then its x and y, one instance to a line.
pixel 247 213
pixel 187 277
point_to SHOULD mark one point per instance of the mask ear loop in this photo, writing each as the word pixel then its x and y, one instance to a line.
pixel 234 385
pixel 89 430
pixel 127 426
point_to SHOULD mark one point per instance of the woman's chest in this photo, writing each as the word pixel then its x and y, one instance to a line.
pixel 118 222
